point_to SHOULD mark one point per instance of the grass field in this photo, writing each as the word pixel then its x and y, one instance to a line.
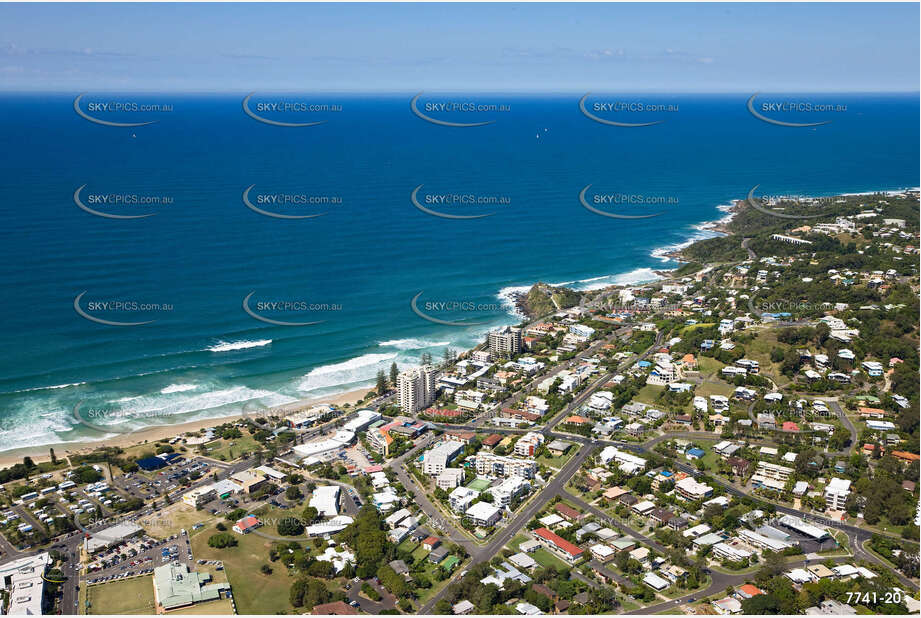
pixel 708 366
pixel 540 555
pixel 253 592
pixel 714 388
pixel 407 544
pixel 228 450
pixel 648 393
pixel 126 596
pixel 557 462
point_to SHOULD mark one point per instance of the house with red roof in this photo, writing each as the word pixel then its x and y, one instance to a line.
pixel 336 608
pixel 748 591
pixel 246 524
pixel 558 545
pixel 567 511
pixel 790 426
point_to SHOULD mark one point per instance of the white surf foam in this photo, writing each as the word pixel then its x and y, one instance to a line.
pixel 176 388
pixel 412 344
pixel 230 346
pixel 351 372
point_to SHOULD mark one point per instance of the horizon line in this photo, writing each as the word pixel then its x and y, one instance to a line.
pixel 403 92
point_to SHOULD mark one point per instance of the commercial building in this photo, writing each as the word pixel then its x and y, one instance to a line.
pixel 176 586
pixel 24 582
pixel 310 450
pixel 797 524
pixel 326 500
pixel 199 496
pixel 416 388
pixel 249 480
pixel 111 536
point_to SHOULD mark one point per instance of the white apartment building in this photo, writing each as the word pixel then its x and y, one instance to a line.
pixel 527 445
pixel 505 341
pixel 689 489
pixel 449 478
pixel 416 388
pixel 735 554
pixel 488 464
pixel 767 470
pixel 762 542
pixel 461 498
pixel 437 459
pixel 484 514
pixel 836 493
pixel 630 464
pixel 508 490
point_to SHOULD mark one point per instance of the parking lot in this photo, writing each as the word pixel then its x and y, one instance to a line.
pixel 138 557
pixel 154 484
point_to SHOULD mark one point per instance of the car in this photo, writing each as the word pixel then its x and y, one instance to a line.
pixel 353 603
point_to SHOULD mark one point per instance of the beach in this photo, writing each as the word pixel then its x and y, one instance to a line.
pixel 159 432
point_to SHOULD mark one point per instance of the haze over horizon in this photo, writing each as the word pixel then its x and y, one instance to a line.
pixel 487 47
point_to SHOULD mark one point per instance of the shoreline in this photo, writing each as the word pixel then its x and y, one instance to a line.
pixel 158 432
pixel 512 295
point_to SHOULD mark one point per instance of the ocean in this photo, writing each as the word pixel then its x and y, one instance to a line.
pixel 352 272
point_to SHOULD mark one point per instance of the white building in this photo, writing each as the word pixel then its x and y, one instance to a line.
pixel 601 401
pixel 509 489
pixel 836 493
pixel 24 580
pixel 735 554
pixel 461 498
pixel 450 478
pixel 630 464
pixel 689 489
pixel 484 514
pixel 326 500
pixel 528 444
pixel 505 341
pixel 488 464
pixel 437 459
pixel 762 542
pixel 416 388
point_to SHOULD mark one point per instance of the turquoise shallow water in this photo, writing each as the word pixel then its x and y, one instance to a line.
pixel 370 253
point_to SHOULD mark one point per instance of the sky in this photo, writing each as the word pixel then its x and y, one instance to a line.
pixel 542 47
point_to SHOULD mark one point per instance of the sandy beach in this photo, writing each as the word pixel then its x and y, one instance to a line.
pixel 152 434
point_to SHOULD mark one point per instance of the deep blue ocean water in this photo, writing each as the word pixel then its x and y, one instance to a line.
pixel 371 253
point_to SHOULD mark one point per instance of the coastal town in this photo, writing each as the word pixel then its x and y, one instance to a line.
pixel 740 436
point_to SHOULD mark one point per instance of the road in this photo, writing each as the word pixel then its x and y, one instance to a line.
pixel 501 537
pixel 839 412
pixel 717 588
